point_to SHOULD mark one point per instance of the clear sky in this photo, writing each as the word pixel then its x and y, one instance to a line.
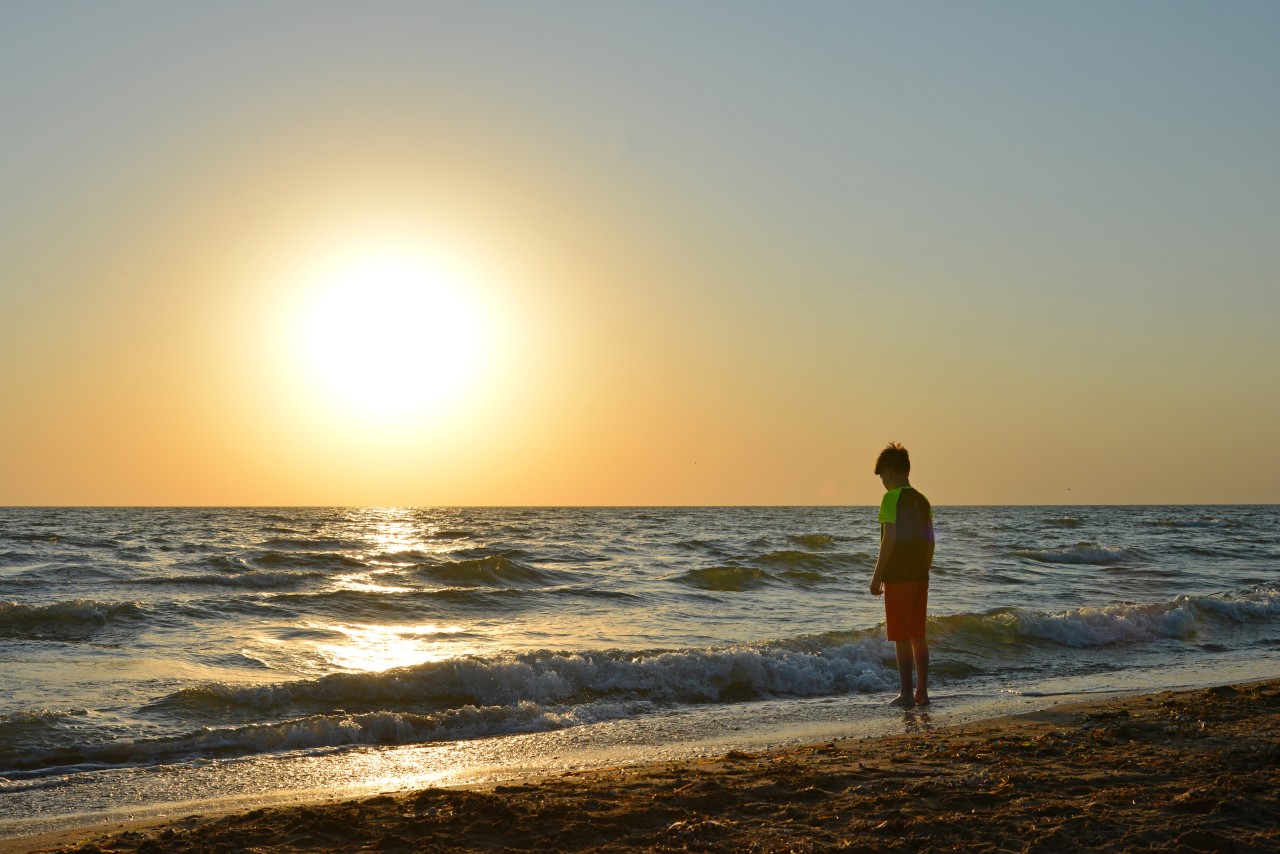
pixel 467 253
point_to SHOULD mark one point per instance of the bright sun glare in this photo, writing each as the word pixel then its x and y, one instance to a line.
pixel 390 333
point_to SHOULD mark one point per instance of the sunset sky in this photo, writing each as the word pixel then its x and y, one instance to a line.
pixel 433 253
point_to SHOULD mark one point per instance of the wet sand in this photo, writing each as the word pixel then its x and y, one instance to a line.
pixel 1187 771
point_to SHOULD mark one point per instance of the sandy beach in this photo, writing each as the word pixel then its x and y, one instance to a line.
pixel 1186 771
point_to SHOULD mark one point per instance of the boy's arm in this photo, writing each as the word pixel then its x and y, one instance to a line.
pixel 886 549
pixel 931 539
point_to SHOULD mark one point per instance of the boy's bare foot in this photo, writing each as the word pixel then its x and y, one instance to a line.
pixel 902 701
pixel 922 699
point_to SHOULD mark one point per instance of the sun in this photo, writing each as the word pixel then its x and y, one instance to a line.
pixel 389 333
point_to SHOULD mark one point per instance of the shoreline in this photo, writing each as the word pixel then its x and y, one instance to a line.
pixel 1195 769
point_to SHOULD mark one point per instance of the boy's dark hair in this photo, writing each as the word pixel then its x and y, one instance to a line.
pixel 895 457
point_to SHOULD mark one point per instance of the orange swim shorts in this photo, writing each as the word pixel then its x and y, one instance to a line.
pixel 904 607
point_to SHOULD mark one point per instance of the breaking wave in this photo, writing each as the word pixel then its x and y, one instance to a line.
pixel 314 731
pixel 22 724
pixel 475 697
pixel 1183 618
pixel 74 616
pixel 1083 553
pixel 551 678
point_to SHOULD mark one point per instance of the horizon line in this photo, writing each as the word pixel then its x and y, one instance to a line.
pixel 589 506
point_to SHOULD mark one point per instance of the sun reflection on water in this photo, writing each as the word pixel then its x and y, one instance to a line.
pixel 394 542
pixel 392 530
pixel 373 648
pixel 367 582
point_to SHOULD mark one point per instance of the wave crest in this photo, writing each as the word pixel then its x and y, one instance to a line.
pixel 725 578
pixel 57 618
pixel 331 560
pixel 302 543
pixel 493 570
pixel 793 559
pixel 1083 553
pixel 550 678
pixel 1183 618
pixel 252 579
pixel 812 541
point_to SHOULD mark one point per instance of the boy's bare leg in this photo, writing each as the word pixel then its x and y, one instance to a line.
pixel 904 655
pixel 920 648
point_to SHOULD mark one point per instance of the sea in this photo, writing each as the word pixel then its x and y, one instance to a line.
pixel 176 661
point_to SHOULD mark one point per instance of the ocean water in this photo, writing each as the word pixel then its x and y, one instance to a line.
pixel 163 659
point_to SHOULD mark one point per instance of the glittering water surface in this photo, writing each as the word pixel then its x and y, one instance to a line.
pixel 147 652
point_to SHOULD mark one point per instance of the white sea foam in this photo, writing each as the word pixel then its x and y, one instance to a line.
pixel 1182 618
pixel 316 731
pixel 1112 624
pixel 1260 604
pixel 492 697
pixel 1083 553
pixel 549 678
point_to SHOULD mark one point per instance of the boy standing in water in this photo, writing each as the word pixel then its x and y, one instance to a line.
pixel 902 570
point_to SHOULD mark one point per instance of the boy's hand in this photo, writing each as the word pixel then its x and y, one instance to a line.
pixel 876 587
